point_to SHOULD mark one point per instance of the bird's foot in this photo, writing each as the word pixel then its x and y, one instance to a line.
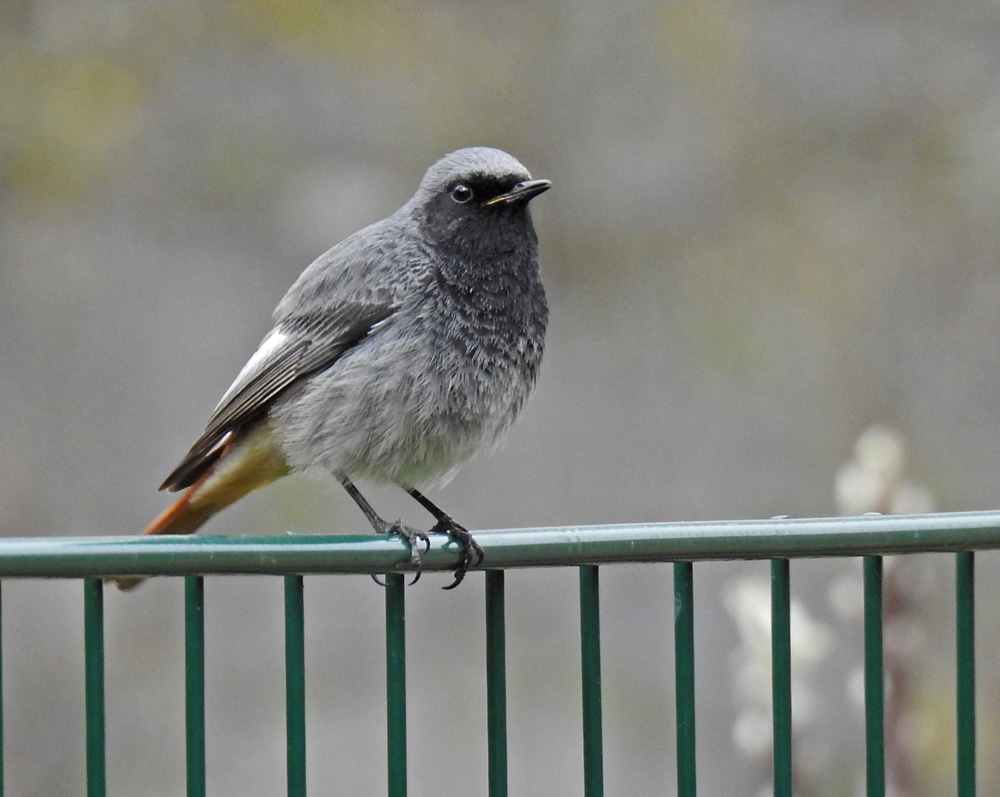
pixel 408 534
pixel 472 552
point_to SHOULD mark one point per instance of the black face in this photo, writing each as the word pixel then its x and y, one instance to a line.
pixel 462 214
pixel 477 190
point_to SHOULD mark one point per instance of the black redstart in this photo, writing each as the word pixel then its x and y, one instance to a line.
pixel 396 355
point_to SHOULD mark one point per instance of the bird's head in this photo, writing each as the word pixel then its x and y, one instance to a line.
pixel 476 199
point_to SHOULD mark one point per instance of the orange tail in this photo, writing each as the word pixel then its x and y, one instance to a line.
pixel 184 516
pixel 248 462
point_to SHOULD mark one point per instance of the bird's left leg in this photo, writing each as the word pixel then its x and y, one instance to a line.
pixel 382 526
pixel 472 552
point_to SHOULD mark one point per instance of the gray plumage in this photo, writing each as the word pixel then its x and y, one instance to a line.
pixel 408 346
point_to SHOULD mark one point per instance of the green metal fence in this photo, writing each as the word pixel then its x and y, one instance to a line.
pixel 587 548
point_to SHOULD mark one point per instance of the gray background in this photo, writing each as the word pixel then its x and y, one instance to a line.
pixel 772 224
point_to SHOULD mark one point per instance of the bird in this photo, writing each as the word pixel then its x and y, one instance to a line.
pixel 406 348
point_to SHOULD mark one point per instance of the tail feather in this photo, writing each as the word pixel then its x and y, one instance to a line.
pixel 246 463
pixel 178 518
pixel 181 517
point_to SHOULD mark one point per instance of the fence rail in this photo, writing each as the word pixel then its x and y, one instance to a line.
pixel 82 557
pixel 587 548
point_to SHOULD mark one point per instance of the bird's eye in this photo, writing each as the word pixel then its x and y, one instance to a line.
pixel 461 193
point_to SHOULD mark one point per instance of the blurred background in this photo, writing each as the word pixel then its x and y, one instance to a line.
pixel 773 225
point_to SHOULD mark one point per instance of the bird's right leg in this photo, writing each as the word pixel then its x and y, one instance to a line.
pixel 383 526
pixel 472 552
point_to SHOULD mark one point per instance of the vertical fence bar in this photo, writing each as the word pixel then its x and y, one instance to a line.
pixel 93 642
pixel 496 684
pixel 965 651
pixel 781 677
pixel 395 673
pixel 1 704
pixel 295 686
pixel 590 656
pixel 874 678
pixel 194 683
pixel 687 783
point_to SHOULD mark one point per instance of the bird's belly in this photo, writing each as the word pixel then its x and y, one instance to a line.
pixel 393 414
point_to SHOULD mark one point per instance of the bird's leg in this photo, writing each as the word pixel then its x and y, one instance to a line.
pixel 472 553
pixel 385 527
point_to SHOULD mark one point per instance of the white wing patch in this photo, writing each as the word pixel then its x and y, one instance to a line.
pixel 272 342
pixel 380 325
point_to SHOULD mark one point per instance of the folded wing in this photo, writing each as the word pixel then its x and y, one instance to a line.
pixel 300 345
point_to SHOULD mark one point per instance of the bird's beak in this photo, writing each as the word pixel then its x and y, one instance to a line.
pixel 521 192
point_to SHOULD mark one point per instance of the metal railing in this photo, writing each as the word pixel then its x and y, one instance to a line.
pixel 587 548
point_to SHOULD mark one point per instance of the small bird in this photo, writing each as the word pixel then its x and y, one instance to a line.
pixel 395 356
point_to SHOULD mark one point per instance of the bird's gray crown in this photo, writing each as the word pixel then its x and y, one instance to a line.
pixel 466 163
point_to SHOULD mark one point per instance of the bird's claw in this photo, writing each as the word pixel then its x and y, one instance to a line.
pixel 416 557
pixel 472 552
